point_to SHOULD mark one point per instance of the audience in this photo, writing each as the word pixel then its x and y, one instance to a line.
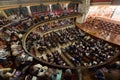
pixel 79 47
pixel 3 21
pixel 13 58
pixel 83 49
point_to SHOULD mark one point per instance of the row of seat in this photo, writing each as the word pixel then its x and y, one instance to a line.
pixel 102 24
pixel 53 58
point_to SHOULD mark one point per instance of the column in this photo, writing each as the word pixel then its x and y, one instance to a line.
pixel 66 6
pixel 83 9
pixel 50 6
pixel 79 74
pixel 3 13
pixel 29 11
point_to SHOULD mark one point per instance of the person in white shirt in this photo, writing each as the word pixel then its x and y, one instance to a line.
pixel 3 54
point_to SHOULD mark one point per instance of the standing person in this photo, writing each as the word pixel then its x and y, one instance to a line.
pixel 57 74
pixel 67 75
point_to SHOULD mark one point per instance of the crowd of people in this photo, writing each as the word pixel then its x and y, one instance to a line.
pixel 16 64
pixel 110 71
pixel 3 21
pixel 82 49
pixel 77 46
pixel 39 72
pixel 52 25
pixel 14 61
pixel 13 58
pixel 88 52
pixel 53 58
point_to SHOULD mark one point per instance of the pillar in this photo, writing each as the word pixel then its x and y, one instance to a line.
pixel 50 6
pixel 29 11
pixel 83 8
pixel 3 13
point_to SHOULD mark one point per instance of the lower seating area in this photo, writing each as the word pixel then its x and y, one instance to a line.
pixel 47 40
pixel 79 48
pixel 53 58
pixel 85 54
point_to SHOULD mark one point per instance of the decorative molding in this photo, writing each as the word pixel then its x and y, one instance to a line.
pixel 101 3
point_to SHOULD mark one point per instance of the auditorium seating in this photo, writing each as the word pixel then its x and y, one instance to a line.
pixel 53 41
pixel 82 49
pixel 12 53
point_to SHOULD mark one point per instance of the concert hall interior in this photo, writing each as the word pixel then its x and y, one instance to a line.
pixel 59 39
